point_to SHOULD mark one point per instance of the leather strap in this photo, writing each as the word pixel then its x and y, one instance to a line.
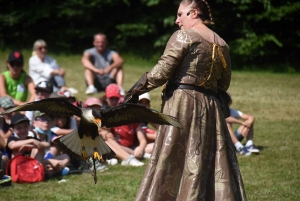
pixel 197 88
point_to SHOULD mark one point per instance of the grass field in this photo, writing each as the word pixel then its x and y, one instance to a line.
pixel 273 99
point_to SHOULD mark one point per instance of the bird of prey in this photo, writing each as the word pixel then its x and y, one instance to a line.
pixel 85 141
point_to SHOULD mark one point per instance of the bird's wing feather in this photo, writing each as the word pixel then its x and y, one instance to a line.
pixel 128 113
pixel 54 106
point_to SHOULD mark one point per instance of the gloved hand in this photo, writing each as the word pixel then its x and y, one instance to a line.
pixel 137 89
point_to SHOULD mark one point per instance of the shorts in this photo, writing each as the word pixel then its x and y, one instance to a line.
pixel 102 81
pixel 238 135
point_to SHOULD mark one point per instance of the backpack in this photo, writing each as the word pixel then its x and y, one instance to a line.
pixel 24 169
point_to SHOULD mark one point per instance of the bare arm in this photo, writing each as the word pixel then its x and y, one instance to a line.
pixel 233 120
pixel 85 60
pixel 31 88
pixel 249 120
pixel 2 86
pixel 16 145
pixel 232 135
pixel 117 63
pixel 139 151
pixel 2 142
pixel 62 131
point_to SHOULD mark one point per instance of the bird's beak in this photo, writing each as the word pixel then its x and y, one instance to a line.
pixel 97 121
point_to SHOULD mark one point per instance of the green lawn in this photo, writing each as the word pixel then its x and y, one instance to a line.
pixel 273 99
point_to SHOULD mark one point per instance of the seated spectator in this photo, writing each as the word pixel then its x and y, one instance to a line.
pixel 63 125
pixel 125 135
pixel 54 161
pixel 14 82
pixel 5 103
pixel 93 102
pixel 44 68
pixel 145 100
pixel 43 90
pixel 22 141
pixel 245 130
pixel 127 159
pixel 102 66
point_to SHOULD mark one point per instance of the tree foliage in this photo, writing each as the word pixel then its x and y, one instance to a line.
pixel 259 32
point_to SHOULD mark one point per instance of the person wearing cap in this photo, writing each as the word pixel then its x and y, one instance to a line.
pixel 125 135
pixel 23 141
pixel 102 66
pixel 110 140
pixel 54 162
pixel 44 68
pixel 145 100
pixel 112 96
pixel 5 103
pixel 15 82
pixel 93 102
pixel 43 90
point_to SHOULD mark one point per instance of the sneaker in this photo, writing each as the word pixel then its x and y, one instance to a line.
pixel 147 156
pixel 65 171
pixel 122 91
pixel 253 149
pixel 132 161
pixel 244 151
pixel 112 161
pixel 73 90
pixel 91 90
pixel 99 167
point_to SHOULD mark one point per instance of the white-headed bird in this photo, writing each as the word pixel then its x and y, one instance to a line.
pixel 85 141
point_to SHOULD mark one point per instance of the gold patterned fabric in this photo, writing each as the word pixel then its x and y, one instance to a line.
pixel 197 162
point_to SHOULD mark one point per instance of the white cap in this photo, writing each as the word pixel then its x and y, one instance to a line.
pixel 145 96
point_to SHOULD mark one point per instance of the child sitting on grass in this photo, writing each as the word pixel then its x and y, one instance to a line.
pixel 54 162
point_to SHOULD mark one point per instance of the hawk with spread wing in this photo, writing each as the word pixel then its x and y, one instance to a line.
pixel 85 141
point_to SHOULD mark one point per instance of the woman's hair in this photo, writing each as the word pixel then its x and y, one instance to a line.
pixel 39 43
pixel 68 122
pixel 204 9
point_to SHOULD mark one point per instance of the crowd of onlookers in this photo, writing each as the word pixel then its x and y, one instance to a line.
pixel 31 133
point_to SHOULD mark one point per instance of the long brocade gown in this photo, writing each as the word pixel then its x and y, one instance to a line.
pixel 197 162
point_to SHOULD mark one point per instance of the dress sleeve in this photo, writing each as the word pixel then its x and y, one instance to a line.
pixel 176 49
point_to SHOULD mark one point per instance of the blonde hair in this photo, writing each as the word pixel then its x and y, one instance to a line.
pixel 39 43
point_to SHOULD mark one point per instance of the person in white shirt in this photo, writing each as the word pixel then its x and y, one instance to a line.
pixel 44 68
pixel 245 130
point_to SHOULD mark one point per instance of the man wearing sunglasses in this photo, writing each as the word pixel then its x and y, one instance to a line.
pixel 44 68
pixel 15 82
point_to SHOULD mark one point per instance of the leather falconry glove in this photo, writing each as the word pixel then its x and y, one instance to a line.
pixel 137 89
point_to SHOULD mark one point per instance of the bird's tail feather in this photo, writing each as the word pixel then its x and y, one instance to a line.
pixel 72 143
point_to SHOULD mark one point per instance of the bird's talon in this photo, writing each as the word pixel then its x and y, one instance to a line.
pixel 97 156
pixel 84 154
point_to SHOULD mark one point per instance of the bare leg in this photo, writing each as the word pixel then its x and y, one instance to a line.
pixel 89 77
pixel 120 152
pixel 149 148
pixel 120 77
pixel 232 135
pixel 128 150
pixel 56 164
pixel 38 154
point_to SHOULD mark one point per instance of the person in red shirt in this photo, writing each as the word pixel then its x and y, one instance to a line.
pixel 131 137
